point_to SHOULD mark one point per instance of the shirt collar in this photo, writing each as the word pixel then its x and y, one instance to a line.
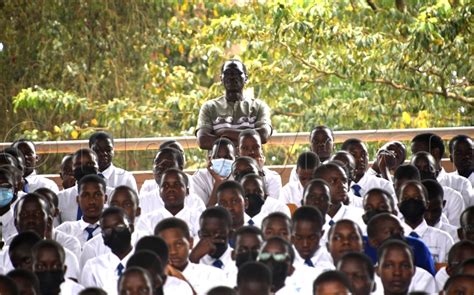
pixel 421 228
pixel 84 224
pixel 108 172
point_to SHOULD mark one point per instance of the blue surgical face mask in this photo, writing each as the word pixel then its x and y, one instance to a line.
pixel 6 196
pixel 222 166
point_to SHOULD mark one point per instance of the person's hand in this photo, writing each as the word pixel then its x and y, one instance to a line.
pixel 217 178
pixel 203 247
pixel 386 159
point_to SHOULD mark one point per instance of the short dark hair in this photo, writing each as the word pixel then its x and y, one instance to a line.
pixel 432 140
pixel 313 182
pixel 433 188
pixel 82 151
pixel 219 213
pixel 223 141
pixel 253 271
pixel 169 144
pixel 362 258
pixel 221 290
pixel 154 244
pixel 452 279
pixel 133 192
pixel 407 171
pixel 322 127
pixel 146 259
pixel 283 242
pixel 380 191
pixel 10 284
pixel 138 270
pixel 27 238
pixel 460 137
pixel 49 244
pixel 351 141
pixel 92 291
pixel 465 263
pixel 318 172
pixel 92 178
pixel 468 210
pixel 248 133
pixel 23 140
pixel 16 154
pixel 277 215
pixel 100 135
pixel 374 223
pixel 394 243
pixel 173 152
pixel 248 230
pixel 332 276
pixel 173 222
pixel 464 244
pixel 177 172
pixel 308 213
pixel 346 221
pixel 26 275
pixel 46 192
pixel 230 185
pixel 308 160
pixel 235 61
pixel 114 211
pixel 33 196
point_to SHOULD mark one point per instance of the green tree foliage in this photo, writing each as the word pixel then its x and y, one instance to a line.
pixel 143 68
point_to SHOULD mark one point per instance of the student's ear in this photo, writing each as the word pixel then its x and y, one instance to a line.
pixel 460 234
pixel 138 211
pixel 191 242
pixel 246 203
pixel 105 198
pixel 437 153
pixel 232 254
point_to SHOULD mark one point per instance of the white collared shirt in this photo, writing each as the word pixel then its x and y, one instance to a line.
pixel 293 175
pixel 321 259
pixel 148 221
pixel 148 186
pixel 203 277
pixel 228 263
pixel 421 281
pixel 115 176
pixel 7 221
pixel 78 229
pixel 450 229
pixel 368 182
pixel 36 181
pixel 438 241
pixel 102 272
pixel 203 184
pixel 174 286
pixel 458 183
pixel 348 212
pixel 301 280
pixel 152 201
pixel 441 277
pixel 292 193
pixel 272 182
pixel 271 205
pixel 454 205
pixel 69 287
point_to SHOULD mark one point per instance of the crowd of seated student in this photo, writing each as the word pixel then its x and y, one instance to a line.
pixel 338 225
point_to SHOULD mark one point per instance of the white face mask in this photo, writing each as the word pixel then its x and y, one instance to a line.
pixel 222 166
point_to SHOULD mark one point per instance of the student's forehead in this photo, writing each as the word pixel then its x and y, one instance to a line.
pixel 412 188
pixel 277 222
pixel 376 197
pixel 91 186
pixel 137 277
pixel 84 157
pixel 103 142
pixel 349 262
pixel 173 232
pixel 463 144
pixel 250 139
pixel 345 227
pixel 356 146
pixel 164 156
pixel 321 132
pixel 213 223
pixel 35 203
pixel 173 176
pixel 4 178
pixel 318 188
pixel 122 195
pixel 26 146
pixel 114 218
pixel 48 253
pixel 230 193
pixel 250 180
pixel 397 251
pixel 247 238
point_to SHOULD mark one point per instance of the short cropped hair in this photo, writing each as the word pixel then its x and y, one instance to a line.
pixel 452 279
pixel 332 276
pixel 460 137
pixel 248 133
pixel 308 160
pixel 49 244
pixel 92 291
pixel 253 271
pixel 464 244
pixel 27 238
pixel 154 244
pixel 146 259
pixel 393 243
pixel 26 275
pixel 176 154
pixel 100 135
pixel 92 178
pixel 351 141
pixel 361 257
pixel 284 243
pixel 129 189
pixel 432 140
pixel 248 230
pixel 114 211
pixel 218 213
pixel 173 222
pixel 407 171
pixel 277 215
pixel 177 172
pixel 230 185
pixel 344 221
pixel 433 188
pixel 308 213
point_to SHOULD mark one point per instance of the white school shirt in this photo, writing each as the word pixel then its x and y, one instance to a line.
pixel 115 176
pixel 293 175
pixel 148 186
pixel 7 222
pixel 441 277
pixel 421 281
pixel 203 184
pixel 451 230
pixel 454 205
pixel 355 201
pixel 203 277
pixel 326 227
pixel 470 178
pixel 102 272
pixel 438 241
pixel 152 201
pixel 36 181
pixel 368 182
pixel 175 286
pixel 96 247
pixel 301 280
pixel 321 260
pixel 272 182
pixel 458 183
pixel 292 193
pixel 67 202
pixel 78 229
pixel 69 287
pixel 148 221
pixel 271 205
pixel 348 212
pixel 228 263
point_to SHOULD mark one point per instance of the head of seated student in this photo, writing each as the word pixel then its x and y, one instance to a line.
pixel 221 156
pixel 254 278
pixel 48 265
pixel 28 150
pixel 255 194
pixel 174 144
pixel 26 281
pixel 344 237
pixel 396 266
pixel 230 195
pixel 412 202
pixel 135 281
pixel 66 172
pixel 337 179
pixel 52 199
pixel 116 231
pixel 216 225
pixel 150 261
pixel 347 160
pixel 426 164
pixel 175 232
pixel 174 187
pixel 92 291
pixel 221 290
pixel 434 201
pixel 92 197
pixel 466 230
pixel 278 255
pixel 158 247
pixel 84 162
pixel 305 165
pixel 403 174
pixel 461 154
pixel 8 188
pixel 382 227
pixel 357 148
pixel 359 269
pixel 322 142
pixel 458 253
pixel 20 250
pixel 8 286
pixel 250 145
pixel 243 166
pixel 165 159
pixel 307 230
pixel 376 201
pixel 276 224
pixel 19 182
pixel 466 267
pixel 332 282
pixel 14 157
pixel 248 240
pixel 102 143
pixel 430 143
pixel 459 284
pixel 126 198
pixel 317 194
pixel 391 155
pixel 33 213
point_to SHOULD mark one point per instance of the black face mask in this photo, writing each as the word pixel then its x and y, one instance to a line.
pixel 427 175
pixel 412 210
pixel 50 281
pixel 118 239
pixel 255 204
pixel 220 249
pixel 245 257
pixel 82 171
pixel 367 216
pixel 279 271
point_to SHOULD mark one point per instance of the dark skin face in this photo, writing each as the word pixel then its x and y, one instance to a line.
pixel 466 232
pixel 24 286
pixel 305 238
pixel 413 191
pixel 461 286
pixel 253 288
pixel 425 163
pixel 396 270
pixel 304 175
pixel 7 182
pixel 85 159
pixel 32 215
pixel 178 246
pixel 223 152
pixel 423 147
pixel 377 201
pixel 344 238
pixel 66 173
pixel 21 257
pixel 251 146
pixel 115 221
pixel 31 158
pixel 124 199
pixel 322 143
pixel 217 231
pixel 358 274
pixel 233 78
pixel 246 243
pixel 233 201
pixel 253 185
pixel 276 227
pixel 91 199
pixel 162 162
pixel 331 287
pixel 48 259
pixel 461 254
pixel 385 229
pixel 317 195
pixel 104 148
pixel 241 166
pixel 277 248
pixel 173 190
pixel 135 283
pixel 347 160
pixel 338 184
pixel 361 156
pixel 463 157
pixel 434 211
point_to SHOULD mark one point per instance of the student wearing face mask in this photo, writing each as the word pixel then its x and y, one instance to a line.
pixel 8 197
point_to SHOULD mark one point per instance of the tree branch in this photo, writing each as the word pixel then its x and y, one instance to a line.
pixel 372 5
